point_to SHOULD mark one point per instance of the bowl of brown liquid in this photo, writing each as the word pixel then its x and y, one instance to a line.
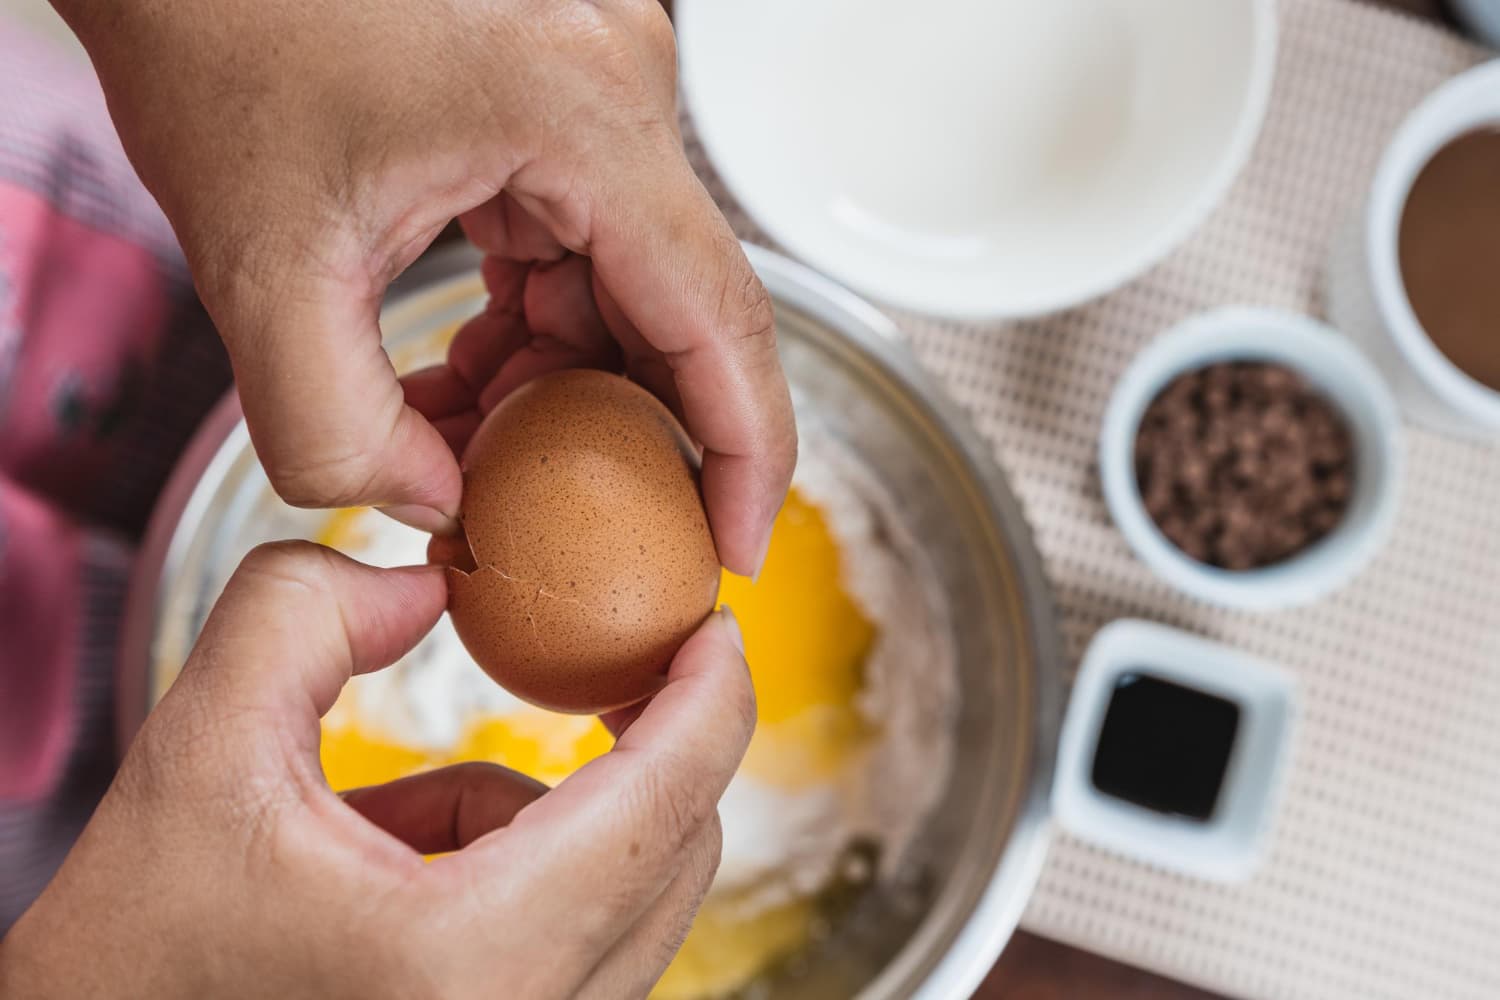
pixel 1416 278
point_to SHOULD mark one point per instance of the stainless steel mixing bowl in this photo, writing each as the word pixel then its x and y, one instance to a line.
pixel 984 844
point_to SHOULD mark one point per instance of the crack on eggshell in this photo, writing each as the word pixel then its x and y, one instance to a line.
pixel 533 592
pixel 536 633
pixel 457 554
pixel 541 588
pixel 497 546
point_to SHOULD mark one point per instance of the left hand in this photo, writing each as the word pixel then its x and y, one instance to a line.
pixel 220 864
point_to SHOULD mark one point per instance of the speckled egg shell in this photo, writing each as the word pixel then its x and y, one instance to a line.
pixel 592 557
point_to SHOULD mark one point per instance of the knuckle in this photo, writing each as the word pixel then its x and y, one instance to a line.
pixel 648 20
pixel 288 583
pixel 698 876
pixel 794 447
pixel 675 802
pixel 710 851
pixel 743 302
pixel 275 557
pixel 611 42
pixel 780 447
pixel 295 565
pixel 671 942
pixel 742 710
pixel 589 28
pixel 341 478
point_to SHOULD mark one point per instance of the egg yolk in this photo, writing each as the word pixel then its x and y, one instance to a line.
pixel 806 642
pixel 532 742
pixel 344 530
pixel 724 950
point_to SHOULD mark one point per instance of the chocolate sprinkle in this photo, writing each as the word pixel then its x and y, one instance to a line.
pixel 1243 464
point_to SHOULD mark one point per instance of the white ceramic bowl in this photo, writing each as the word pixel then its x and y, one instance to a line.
pixel 1366 295
pixel 978 158
pixel 1229 844
pixel 1329 362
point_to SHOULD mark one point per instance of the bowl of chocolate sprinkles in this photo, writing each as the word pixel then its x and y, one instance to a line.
pixel 1251 457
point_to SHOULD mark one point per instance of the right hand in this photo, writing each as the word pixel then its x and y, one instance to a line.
pixel 220 864
pixel 306 151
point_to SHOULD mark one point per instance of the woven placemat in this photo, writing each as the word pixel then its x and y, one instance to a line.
pixel 1383 879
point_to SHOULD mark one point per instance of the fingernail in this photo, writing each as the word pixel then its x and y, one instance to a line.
pixel 422 518
pixel 732 626
pixel 760 559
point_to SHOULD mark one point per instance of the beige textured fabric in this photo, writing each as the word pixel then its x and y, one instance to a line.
pixel 1384 875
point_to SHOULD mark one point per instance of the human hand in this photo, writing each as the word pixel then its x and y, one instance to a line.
pixel 220 864
pixel 307 152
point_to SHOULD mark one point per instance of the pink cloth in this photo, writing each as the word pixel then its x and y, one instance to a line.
pixel 39 623
pixel 107 363
pixel 90 308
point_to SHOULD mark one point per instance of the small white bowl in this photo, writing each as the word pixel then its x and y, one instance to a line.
pixel 1331 364
pixel 1229 844
pixel 1366 293
pixel 977 158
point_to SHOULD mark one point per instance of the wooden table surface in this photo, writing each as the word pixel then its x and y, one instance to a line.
pixel 1034 968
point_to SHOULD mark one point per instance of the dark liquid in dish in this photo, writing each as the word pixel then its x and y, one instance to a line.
pixel 1450 252
pixel 1165 746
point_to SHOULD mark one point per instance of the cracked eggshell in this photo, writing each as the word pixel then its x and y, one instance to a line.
pixel 592 557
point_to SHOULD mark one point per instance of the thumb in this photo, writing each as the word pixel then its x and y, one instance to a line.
pixel 624 820
pixel 325 410
pixel 294 623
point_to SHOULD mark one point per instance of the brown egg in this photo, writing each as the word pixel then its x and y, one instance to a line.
pixel 592 560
